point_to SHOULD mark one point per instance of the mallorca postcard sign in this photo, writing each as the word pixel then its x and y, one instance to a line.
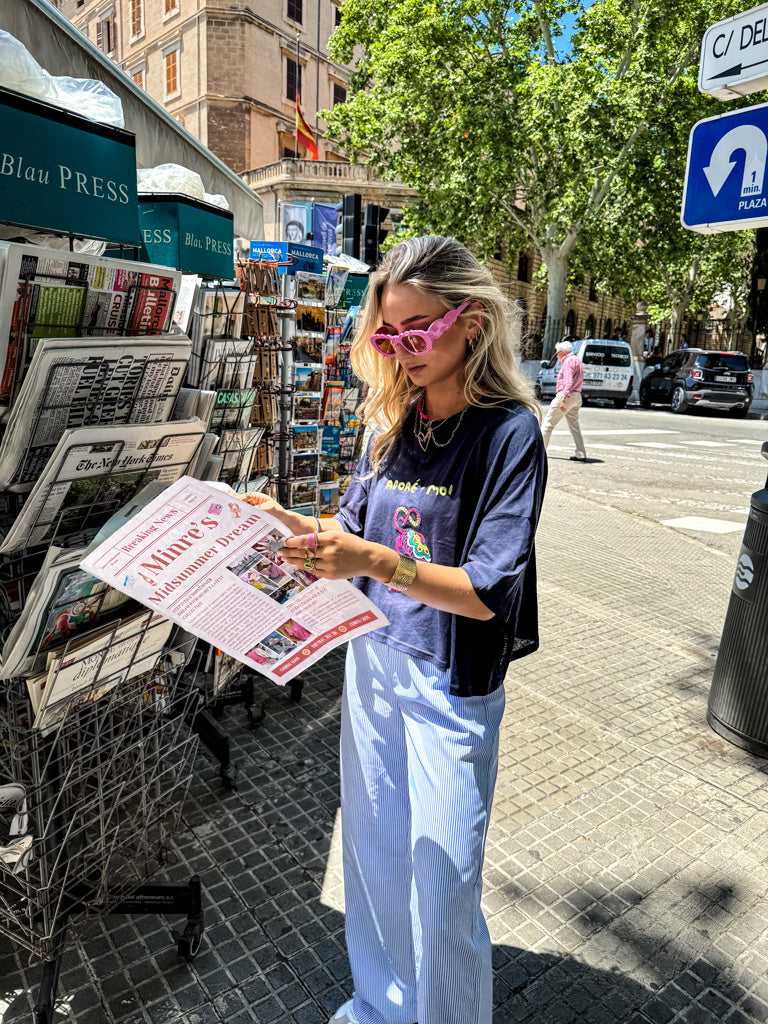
pixel 63 173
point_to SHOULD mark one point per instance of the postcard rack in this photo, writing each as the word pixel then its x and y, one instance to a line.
pixel 99 793
pixel 237 353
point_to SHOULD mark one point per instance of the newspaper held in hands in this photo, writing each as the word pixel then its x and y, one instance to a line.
pixel 206 560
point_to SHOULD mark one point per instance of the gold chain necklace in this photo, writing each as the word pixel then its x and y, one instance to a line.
pixel 424 429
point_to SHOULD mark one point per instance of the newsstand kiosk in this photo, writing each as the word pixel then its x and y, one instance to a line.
pixel 95 746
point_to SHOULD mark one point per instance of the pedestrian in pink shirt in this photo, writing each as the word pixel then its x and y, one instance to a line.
pixel 567 400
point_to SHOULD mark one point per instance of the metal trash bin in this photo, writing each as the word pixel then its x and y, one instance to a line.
pixel 738 700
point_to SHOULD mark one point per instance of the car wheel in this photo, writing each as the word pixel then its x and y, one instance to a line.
pixel 739 411
pixel 645 398
pixel 537 392
pixel 620 403
pixel 679 403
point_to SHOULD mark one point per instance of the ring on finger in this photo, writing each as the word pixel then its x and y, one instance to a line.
pixel 309 561
pixel 312 541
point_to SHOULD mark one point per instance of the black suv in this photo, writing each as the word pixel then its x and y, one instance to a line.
pixel 696 376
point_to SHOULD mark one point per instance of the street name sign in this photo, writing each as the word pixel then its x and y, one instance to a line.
pixel 725 178
pixel 734 55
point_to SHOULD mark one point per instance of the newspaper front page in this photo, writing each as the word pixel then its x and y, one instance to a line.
pixel 207 561
pixel 95 470
pixel 77 382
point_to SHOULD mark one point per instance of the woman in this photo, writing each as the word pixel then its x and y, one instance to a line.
pixel 437 529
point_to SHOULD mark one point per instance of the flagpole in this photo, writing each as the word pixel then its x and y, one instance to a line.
pixel 296 94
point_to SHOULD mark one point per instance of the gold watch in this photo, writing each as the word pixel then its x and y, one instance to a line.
pixel 404 574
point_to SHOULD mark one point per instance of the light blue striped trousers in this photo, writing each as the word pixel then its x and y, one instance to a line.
pixel 418 768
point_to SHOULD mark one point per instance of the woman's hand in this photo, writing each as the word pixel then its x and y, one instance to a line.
pixel 335 555
pixel 291 520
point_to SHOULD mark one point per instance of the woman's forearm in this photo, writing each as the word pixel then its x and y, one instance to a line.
pixel 444 587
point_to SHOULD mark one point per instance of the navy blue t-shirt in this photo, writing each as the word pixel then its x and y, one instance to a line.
pixel 474 503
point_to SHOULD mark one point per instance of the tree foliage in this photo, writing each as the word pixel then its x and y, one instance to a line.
pixel 519 123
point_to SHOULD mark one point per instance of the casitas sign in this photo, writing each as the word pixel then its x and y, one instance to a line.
pixel 61 172
pixel 184 233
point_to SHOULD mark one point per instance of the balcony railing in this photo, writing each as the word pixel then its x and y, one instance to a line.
pixel 328 170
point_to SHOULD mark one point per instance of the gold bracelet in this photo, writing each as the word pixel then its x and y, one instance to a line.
pixel 404 574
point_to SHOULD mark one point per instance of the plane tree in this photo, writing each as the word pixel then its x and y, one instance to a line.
pixel 513 119
pixel 639 247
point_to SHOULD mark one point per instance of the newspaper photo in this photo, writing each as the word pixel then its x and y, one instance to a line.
pixel 78 382
pixel 52 293
pixel 95 470
pixel 207 561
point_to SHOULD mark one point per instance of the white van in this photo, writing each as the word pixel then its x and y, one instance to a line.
pixel 608 369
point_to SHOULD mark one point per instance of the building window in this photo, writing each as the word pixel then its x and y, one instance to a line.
pixel 592 290
pixel 524 268
pixel 339 94
pixel 336 16
pixel 289 154
pixel 295 10
pixel 172 85
pixel 170 7
pixel 138 77
pixel 292 79
pixel 137 18
pixel 105 34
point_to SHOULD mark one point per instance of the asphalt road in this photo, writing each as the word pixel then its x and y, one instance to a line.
pixel 690 473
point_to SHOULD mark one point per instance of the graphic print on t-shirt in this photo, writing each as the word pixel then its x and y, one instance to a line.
pixel 409 541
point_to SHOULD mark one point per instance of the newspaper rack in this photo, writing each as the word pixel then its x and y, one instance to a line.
pixel 77 524
pixel 104 788
pixel 77 323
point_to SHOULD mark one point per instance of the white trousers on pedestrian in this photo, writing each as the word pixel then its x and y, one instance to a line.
pixel 418 769
pixel 555 414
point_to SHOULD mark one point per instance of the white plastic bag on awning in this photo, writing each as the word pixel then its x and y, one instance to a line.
pixel 175 178
pixel 20 71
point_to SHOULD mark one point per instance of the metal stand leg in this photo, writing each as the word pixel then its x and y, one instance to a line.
pixel 46 998
pixel 172 899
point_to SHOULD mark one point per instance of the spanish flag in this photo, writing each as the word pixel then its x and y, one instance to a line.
pixel 304 133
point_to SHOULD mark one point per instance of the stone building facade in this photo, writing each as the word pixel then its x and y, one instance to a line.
pixel 228 71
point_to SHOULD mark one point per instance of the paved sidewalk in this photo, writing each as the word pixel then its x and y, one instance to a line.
pixel 626 874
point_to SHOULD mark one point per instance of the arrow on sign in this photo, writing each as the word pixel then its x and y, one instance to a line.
pixel 736 70
pixel 755 145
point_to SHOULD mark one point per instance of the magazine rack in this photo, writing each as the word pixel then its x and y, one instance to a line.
pixel 76 319
pixel 104 789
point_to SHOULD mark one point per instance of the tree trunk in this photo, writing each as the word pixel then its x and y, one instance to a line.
pixel 678 312
pixel 555 259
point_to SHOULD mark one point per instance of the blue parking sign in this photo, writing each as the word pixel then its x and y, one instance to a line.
pixel 725 177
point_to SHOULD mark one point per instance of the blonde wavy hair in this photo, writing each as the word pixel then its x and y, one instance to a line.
pixel 445 268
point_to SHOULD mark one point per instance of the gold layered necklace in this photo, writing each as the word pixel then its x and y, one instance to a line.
pixel 424 429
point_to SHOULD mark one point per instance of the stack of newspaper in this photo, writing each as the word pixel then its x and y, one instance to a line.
pixel 92 472
pixel 50 293
pixel 85 670
pixel 80 382
pixel 62 602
